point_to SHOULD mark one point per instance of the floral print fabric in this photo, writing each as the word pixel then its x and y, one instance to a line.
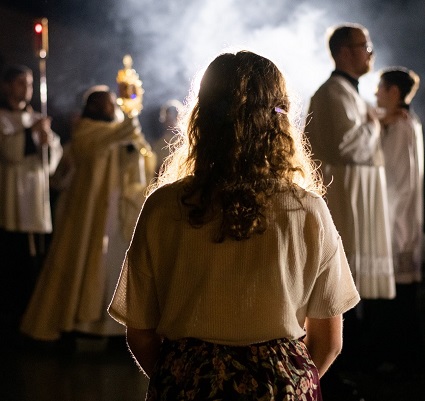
pixel 190 369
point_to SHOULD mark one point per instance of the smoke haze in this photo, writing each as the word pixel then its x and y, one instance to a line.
pixel 171 41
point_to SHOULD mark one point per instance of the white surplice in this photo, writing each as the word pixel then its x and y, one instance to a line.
pixel 402 143
pixel 348 147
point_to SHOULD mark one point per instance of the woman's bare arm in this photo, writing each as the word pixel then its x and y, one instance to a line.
pixel 324 341
pixel 144 345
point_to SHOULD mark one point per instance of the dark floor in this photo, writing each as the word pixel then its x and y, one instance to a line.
pixel 385 387
pixel 91 372
pixel 96 371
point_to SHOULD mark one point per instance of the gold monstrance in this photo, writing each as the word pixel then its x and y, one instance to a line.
pixel 130 100
pixel 130 89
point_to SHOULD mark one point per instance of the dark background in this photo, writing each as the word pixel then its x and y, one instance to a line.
pixel 170 41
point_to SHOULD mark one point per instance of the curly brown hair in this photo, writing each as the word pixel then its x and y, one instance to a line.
pixel 242 147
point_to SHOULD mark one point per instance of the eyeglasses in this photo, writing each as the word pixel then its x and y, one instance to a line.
pixel 366 46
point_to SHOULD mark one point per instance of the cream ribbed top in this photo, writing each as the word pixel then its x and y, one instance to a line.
pixel 175 279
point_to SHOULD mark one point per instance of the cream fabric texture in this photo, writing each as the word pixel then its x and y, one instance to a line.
pixel 73 289
pixel 402 143
pixel 348 146
pixel 177 280
pixel 24 180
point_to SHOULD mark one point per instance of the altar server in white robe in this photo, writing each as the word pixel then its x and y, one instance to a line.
pixel 402 143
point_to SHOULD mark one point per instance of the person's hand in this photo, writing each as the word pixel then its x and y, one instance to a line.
pixel 42 129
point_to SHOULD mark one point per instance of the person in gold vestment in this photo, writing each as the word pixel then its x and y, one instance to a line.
pixel 99 211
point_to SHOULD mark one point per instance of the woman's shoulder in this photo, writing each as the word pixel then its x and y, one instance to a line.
pixel 301 194
pixel 312 207
pixel 301 199
pixel 166 194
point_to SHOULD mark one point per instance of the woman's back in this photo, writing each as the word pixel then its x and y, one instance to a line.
pixel 234 272
pixel 237 292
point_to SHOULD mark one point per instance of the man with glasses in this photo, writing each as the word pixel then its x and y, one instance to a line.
pixel 344 132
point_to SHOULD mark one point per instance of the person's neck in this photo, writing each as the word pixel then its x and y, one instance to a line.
pixel 348 72
pixel 391 109
pixel 353 81
pixel 394 106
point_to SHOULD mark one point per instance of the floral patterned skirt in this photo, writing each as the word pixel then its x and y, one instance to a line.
pixel 191 369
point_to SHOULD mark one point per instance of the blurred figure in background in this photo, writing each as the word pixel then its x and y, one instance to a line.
pixel 344 133
pixel 94 226
pixel 168 117
pixel 402 142
pixel 25 215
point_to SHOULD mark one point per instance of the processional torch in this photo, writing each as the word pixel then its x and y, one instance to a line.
pixel 130 98
pixel 41 50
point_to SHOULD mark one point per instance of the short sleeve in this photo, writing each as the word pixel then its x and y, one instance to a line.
pixel 334 291
pixel 135 301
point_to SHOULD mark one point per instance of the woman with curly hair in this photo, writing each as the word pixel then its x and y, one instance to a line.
pixel 235 282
